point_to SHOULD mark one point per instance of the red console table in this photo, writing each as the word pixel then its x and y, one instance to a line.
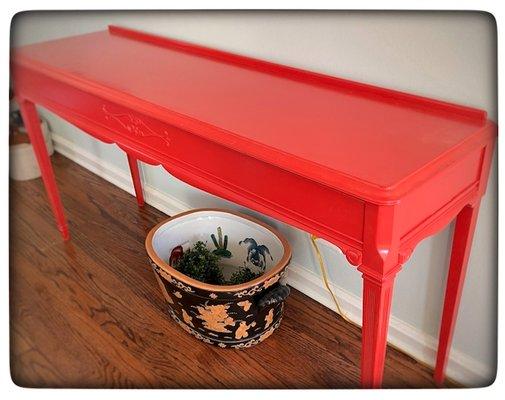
pixel 372 170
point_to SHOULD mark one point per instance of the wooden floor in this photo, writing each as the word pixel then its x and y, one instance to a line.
pixel 89 313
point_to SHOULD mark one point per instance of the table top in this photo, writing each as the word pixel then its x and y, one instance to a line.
pixel 365 140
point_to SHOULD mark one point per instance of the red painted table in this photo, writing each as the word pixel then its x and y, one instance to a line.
pixel 371 170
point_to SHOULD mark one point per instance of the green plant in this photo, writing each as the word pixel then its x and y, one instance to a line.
pixel 221 245
pixel 241 275
pixel 201 264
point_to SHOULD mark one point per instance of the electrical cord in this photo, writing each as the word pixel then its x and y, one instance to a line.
pixel 324 275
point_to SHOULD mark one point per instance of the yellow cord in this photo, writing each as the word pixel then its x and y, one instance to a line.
pixel 325 280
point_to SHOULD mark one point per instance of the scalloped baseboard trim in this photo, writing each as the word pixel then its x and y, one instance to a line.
pixel 461 367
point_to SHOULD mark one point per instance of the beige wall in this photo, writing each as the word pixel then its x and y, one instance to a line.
pixel 450 56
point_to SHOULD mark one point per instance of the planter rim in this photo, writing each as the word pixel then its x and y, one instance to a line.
pixel 286 257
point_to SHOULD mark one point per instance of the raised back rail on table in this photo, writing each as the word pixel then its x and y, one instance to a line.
pixel 371 170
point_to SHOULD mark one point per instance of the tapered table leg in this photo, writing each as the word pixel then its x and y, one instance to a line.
pixel 377 297
pixel 461 245
pixel 137 183
pixel 32 124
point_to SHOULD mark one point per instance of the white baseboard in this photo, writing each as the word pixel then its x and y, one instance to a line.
pixel 423 347
pixel 461 367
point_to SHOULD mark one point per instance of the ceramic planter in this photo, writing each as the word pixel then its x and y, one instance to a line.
pixel 237 316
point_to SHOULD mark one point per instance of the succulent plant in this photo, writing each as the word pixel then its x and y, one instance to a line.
pixel 221 244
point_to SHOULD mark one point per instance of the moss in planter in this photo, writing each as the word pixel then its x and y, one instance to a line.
pixel 202 264
pixel 243 274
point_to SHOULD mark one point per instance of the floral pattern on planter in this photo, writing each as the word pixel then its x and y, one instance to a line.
pixel 241 332
pixel 273 280
pixel 215 317
pixel 228 319
pixel 248 292
pixel 262 337
pixel 269 318
pixel 258 288
pixel 242 345
pixel 246 304
pixel 187 319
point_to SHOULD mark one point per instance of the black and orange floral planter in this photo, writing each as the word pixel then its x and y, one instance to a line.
pixel 236 316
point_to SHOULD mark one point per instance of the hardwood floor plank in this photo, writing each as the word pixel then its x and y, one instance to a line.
pixel 88 313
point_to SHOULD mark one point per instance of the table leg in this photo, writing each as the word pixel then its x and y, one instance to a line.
pixel 137 183
pixel 32 124
pixel 461 245
pixel 377 295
